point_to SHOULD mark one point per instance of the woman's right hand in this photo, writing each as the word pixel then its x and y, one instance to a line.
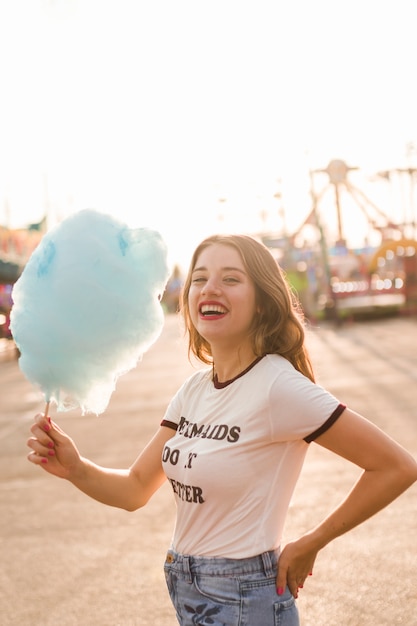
pixel 52 449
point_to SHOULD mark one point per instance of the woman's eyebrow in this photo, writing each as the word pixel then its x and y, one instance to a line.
pixel 224 269
pixel 233 269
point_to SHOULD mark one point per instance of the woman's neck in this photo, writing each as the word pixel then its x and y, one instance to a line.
pixel 229 364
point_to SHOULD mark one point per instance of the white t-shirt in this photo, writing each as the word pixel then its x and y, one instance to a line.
pixel 237 454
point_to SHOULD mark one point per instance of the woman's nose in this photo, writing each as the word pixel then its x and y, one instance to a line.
pixel 211 286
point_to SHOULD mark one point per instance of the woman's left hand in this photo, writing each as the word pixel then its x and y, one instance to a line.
pixel 295 564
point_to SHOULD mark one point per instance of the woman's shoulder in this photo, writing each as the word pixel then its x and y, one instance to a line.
pixel 200 376
pixel 277 363
pixel 195 383
pixel 277 369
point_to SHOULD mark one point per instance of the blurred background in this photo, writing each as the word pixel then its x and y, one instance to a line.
pixel 292 121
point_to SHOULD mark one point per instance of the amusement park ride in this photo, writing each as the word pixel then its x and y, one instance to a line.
pixel 338 281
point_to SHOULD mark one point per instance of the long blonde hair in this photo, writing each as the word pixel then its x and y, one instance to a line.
pixel 279 327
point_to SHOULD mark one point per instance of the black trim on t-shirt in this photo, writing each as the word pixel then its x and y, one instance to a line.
pixel 334 416
pixel 332 419
pixel 232 380
pixel 169 424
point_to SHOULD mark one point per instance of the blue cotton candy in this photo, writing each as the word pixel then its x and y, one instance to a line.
pixel 87 307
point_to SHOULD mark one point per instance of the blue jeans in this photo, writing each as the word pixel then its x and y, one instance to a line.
pixel 228 592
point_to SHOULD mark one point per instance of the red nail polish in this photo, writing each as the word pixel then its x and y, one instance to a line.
pixel 44 460
pixel 280 591
pixel 51 452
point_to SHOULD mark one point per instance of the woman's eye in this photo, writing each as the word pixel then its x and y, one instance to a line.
pixel 198 279
pixel 231 279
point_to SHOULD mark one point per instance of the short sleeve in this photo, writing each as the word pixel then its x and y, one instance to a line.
pixel 322 429
pixel 299 407
pixel 172 415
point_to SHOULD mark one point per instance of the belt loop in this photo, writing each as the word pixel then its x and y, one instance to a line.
pixel 267 563
pixel 186 568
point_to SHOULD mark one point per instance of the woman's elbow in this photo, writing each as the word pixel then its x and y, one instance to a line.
pixel 140 493
pixel 412 472
pixel 136 503
pixel 406 471
pixel 131 508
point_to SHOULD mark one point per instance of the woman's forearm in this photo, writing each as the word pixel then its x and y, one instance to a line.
pixel 57 454
pixel 114 487
pixel 127 489
pixel 388 470
pixel 374 490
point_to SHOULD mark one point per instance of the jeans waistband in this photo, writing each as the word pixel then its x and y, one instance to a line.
pixel 219 566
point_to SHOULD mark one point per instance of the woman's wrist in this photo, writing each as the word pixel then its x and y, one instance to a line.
pixel 78 472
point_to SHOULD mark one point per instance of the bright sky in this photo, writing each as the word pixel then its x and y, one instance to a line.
pixel 154 111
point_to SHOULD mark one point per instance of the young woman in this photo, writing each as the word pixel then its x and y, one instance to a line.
pixel 232 444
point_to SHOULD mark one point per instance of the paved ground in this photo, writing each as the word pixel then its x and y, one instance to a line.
pixel 67 560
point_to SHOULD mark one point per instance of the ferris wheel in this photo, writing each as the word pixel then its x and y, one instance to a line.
pixel 357 278
pixel 339 183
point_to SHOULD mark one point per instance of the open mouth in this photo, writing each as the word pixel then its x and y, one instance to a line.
pixel 212 310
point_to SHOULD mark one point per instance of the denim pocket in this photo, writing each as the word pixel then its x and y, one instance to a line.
pixel 286 611
pixel 205 601
pixel 262 606
pixel 218 589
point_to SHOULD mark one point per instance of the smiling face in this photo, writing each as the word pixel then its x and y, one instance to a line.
pixel 222 297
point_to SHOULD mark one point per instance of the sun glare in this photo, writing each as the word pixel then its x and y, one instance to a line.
pixel 194 117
